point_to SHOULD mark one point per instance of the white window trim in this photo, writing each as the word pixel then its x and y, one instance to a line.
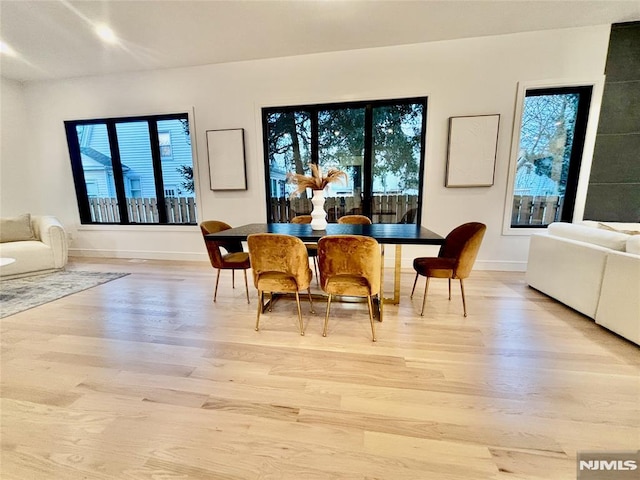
pixel 597 85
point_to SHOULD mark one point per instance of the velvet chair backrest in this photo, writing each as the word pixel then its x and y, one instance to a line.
pixel 213 248
pixel 463 243
pixel 271 252
pixel 301 219
pixel 350 255
pixel 355 219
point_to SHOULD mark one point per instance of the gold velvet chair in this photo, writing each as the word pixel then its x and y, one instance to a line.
pixel 280 264
pixel 350 265
pixel 234 259
pixel 455 259
pixel 312 247
pixel 355 219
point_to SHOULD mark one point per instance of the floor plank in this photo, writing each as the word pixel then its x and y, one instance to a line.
pixel 145 377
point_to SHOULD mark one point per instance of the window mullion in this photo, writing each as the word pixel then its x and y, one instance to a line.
pixel 315 136
pixel 78 173
pixel 367 188
pixel 421 169
pixel 118 177
pixel 575 161
pixel 157 170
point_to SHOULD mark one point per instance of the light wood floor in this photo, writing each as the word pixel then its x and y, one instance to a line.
pixel 145 378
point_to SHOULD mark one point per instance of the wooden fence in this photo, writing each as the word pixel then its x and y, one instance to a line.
pixel 386 208
pixel 528 210
pixel 143 210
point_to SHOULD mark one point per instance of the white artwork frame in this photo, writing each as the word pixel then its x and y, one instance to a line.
pixel 227 165
pixel 471 151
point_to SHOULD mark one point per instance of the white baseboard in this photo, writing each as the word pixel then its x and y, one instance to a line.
pixel 500 265
pixel 406 263
pixel 143 254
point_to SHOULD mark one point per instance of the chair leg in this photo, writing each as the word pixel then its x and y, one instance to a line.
pixel 233 278
pixel 326 317
pixel 271 301
pixel 299 313
pixel 315 267
pixel 215 292
pixel 424 300
pixel 373 328
pixel 246 285
pixel 464 303
pixel 310 301
pixel 449 288
pixel 260 303
pixel 414 285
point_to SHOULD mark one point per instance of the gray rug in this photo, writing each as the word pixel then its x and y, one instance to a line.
pixel 24 293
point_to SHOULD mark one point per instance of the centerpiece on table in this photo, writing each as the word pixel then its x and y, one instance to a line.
pixel 317 183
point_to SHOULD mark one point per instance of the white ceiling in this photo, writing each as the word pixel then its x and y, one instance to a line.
pixel 54 38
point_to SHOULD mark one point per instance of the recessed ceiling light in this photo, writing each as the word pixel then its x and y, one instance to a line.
pixel 106 34
pixel 7 50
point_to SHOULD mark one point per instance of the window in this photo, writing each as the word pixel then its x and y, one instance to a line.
pixel 92 189
pixel 121 159
pixel 548 155
pixel 164 139
pixel 135 188
pixel 378 144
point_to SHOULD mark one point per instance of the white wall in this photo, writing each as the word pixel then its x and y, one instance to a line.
pixel 16 181
pixel 460 77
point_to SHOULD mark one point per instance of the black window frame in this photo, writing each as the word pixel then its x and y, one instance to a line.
pixel 75 155
pixel 579 136
pixel 368 105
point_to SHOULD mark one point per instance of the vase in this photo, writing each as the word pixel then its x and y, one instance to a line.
pixel 318 215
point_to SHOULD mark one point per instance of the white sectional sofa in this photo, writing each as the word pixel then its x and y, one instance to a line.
pixel 594 268
pixel 37 244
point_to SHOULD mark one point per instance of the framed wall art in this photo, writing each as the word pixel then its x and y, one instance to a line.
pixel 227 168
pixel 471 152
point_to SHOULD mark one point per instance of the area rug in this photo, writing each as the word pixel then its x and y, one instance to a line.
pixel 24 293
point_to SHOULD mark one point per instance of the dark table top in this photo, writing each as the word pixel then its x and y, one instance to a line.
pixel 389 233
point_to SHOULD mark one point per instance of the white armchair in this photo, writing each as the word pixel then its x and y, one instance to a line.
pixel 38 245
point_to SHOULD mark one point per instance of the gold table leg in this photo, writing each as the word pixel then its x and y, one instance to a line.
pixel 395 300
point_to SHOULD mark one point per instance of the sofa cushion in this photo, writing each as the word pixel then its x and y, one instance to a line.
pixel 597 236
pixel 16 229
pixel 628 228
pixel 633 245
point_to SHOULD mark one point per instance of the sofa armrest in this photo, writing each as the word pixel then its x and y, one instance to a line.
pixel 568 270
pixel 619 306
pixel 50 231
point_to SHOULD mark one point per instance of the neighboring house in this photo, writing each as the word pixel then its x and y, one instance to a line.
pixel 135 154
pixel 529 183
pixel 98 173
pixel 278 179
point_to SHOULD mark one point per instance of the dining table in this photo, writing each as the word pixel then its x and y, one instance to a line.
pixel 397 234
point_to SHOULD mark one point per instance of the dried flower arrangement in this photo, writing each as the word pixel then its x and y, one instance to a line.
pixel 316 181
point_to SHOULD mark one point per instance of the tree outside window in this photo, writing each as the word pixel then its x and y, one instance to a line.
pixel 552 131
pixel 378 144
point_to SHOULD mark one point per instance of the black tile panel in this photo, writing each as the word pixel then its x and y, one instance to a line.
pixel 613 203
pixel 623 57
pixel 616 159
pixel 620 112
